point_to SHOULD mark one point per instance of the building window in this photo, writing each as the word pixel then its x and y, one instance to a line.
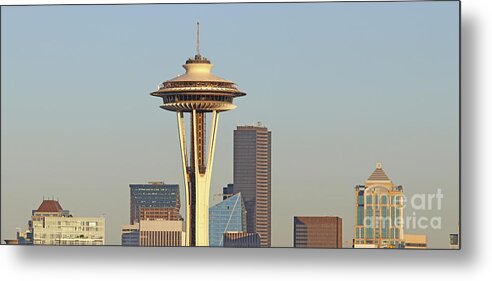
pixel 360 215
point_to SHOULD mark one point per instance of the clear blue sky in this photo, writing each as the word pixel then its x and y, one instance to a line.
pixel 340 85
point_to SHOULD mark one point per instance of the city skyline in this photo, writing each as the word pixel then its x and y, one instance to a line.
pixel 119 142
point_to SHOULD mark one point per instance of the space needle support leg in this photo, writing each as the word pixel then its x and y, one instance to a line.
pixel 198 209
pixel 211 148
pixel 208 173
pixel 184 157
pixel 203 184
pixel 211 151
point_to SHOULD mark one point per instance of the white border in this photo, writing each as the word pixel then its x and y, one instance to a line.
pixel 471 263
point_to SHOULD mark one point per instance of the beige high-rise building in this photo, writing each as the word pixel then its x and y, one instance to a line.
pixel 379 212
pixel 162 233
pixel 51 225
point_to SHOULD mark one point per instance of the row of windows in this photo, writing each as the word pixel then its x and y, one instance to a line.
pixel 374 233
pixel 185 84
pixel 76 223
pixel 375 199
pixel 374 215
pixel 177 98
pixel 71 229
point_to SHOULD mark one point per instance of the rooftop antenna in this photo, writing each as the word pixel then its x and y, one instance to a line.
pixel 198 38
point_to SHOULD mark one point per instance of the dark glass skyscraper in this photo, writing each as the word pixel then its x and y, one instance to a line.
pixel 228 215
pixel 153 200
pixel 252 177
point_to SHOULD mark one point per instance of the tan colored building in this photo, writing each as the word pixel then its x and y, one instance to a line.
pixel 162 233
pixel 51 225
pixel 69 231
pixel 317 232
pixel 156 213
pixel 415 241
pixel 154 233
pixel 11 241
pixel 378 212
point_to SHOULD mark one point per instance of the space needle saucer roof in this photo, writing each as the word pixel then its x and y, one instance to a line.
pixel 198 88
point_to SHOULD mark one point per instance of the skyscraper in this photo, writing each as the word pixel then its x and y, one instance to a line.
pixel 228 215
pixel 197 92
pixel 379 212
pixel 317 232
pixel 154 201
pixel 252 177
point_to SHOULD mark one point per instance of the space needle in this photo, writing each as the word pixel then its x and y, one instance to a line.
pixel 197 92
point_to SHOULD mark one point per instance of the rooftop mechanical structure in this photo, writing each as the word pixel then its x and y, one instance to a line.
pixel 197 92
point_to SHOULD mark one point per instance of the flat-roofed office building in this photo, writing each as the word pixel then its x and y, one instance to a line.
pixel 252 177
pixel 154 233
pixel 415 241
pixel 69 231
pixel 241 239
pixel 130 235
pixel 162 233
pixel 317 232
pixel 154 200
